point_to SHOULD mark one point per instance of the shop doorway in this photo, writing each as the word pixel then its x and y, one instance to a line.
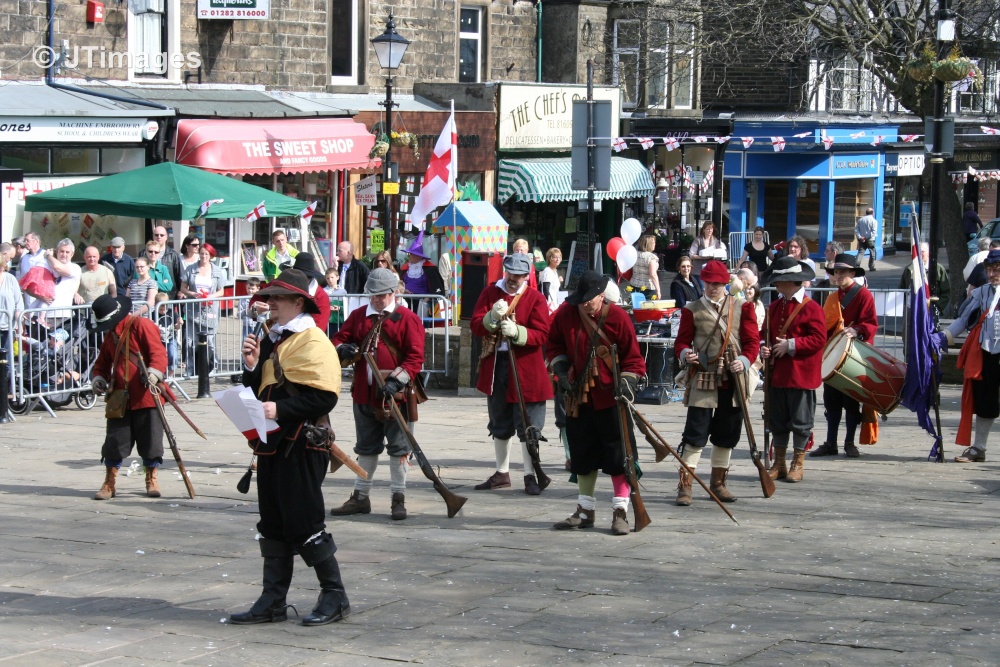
pixel 807 213
pixel 776 210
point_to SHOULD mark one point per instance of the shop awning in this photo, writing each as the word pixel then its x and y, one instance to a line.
pixel 548 179
pixel 273 146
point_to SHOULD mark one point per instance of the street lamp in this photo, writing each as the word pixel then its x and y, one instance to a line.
pixel 389 47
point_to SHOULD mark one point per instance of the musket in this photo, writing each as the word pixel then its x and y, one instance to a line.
pixel 169 397
pixel 321 436
pixel 154 389
pixel 638 506
pixel 766 483
pixel 531 433
pixel 451 499
pixel 647 429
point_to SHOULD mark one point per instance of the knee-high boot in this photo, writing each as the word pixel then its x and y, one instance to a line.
pixel 332 604
pixel 270 607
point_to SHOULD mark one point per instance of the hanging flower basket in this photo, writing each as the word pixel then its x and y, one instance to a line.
pixel 920 70
pixel 380 148
pixel 403 139
pixel 955 69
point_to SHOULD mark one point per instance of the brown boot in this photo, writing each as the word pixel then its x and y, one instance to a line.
pixel 798 462
pixel 779 469
pixel 718 485
pixel 152 486
pixel 398 510
pixel 581 518
pixel 684 487
pixel 619 523
pixel 354 505
pixel 108 488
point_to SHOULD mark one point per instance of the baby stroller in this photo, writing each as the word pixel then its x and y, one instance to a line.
pixel 51 371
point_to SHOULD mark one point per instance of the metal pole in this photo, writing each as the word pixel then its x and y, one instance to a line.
pixel 591 166
pixel 944 14
pixel 387 171
pixel 202 366
pixel 4 387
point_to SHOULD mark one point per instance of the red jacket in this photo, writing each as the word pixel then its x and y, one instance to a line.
pixel 860 313
pixel 406 333
pixel 748 335
pixel 532 313
pixel 569 337
pixel 804 370
pixel 322 318
pixel 144 340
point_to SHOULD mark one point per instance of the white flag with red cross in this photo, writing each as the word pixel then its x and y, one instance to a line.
pixel 257 213
pixel 438 188
pixel 307 212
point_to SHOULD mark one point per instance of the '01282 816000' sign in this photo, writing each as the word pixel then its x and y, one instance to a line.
pixel 234 9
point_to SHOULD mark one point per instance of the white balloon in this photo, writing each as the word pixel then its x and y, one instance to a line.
pixel 626 258
pixel 631 230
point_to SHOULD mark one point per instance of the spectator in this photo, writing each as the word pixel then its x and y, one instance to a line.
pixel 353 273
pixel 645 278
pixel 799 249
pixel 169 323
pixel 984 249
pixel 978 277
pixel 11 305
pixel 119 262
pixel 95 278
pixel 188 255
pixel 971 223
pixel 203 280
pixel 758 250
pixel 8 251
pixel 32 256
pixel 142 290
pixel 866 231
pixel 20 248
pixel 706 247
pixel 941 289
pixel 333 293
pixel 157 270
pixel 521 247
pixel 685 286
pixel 549 280
pixel 382 260
pixel 67 276
pixel 168 259
pixel 247 313
pixel 280 254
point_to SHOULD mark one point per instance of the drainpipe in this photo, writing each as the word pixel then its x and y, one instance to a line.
pixel 538 39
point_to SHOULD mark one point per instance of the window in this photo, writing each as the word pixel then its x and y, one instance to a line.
pixel 117 160
pixel 670 63
pixel 75 160
pixel 979 99
pixel 72 159
pixel 470 45
pixel 844 84
pixel 29 159
pixel 147 32
pixel 345 53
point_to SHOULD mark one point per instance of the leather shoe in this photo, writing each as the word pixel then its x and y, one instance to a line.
pixel 498 480
pixel 531 486
pixel 826 449
pixel 330 607
pixel 851 451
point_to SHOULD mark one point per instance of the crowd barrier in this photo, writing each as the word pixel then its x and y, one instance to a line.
pixel 46 371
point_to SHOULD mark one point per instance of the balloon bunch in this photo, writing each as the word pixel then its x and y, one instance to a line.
pixel 620 248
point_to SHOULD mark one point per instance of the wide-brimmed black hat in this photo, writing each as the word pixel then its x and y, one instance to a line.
pixel 591 284
pixel 291 282
pixel 849 262
pixel 306 263
pixel 787 269
pixel 108 311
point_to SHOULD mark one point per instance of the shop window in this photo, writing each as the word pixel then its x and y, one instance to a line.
pixel 979 99
pixel 851 198
pixel 29 159
pixel 76 161
pixel 670 63
pixel 345 53
pixel 471 42
pixel 117 160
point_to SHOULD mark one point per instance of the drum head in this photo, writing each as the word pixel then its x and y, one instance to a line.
pixel 836 349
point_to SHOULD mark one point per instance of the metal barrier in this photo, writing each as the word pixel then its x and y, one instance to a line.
pixel 737 241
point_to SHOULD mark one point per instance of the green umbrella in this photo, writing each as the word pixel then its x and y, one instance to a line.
pixel 167 191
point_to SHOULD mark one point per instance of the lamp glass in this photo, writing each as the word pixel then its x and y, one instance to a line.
pixel 390 47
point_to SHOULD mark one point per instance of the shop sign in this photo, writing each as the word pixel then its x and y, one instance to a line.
pixel 853 166
pixel 234 9
pixel 366 191
pixel 540 117
pixel 904 164
pixel 15 129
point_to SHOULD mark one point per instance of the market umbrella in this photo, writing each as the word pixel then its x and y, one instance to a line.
pixel 167 191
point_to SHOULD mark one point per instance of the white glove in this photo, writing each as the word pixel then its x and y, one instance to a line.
pixel 508 329
pixel 99 385
pixel 152 378
pixel 500 309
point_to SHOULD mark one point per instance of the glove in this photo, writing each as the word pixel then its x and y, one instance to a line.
pixel 942 339
pixel 561 370
pixel 152 378
pixel 627 385
pixel 392 387
pixel 508 329
pixel 500 309
pixel 99 385
pixel 347 352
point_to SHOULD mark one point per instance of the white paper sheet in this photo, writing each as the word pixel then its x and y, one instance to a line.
pixel 245 411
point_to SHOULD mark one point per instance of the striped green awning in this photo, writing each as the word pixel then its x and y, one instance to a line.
pixel 548 179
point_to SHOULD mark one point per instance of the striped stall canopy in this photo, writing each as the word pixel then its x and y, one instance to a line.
pixel 548 179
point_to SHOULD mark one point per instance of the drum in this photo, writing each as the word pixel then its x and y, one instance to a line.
pixel 866 374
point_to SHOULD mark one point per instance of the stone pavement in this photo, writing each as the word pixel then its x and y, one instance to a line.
pixel 884 560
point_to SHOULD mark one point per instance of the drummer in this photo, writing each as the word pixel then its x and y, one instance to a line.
pixel 851 310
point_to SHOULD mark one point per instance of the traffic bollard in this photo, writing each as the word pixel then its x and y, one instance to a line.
pixel 202 366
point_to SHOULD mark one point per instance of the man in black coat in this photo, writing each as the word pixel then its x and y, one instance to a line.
pixel 353 272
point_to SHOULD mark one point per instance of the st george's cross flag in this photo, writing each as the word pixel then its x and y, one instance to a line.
pixel 438 188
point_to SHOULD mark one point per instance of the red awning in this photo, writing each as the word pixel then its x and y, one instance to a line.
pixel 274 146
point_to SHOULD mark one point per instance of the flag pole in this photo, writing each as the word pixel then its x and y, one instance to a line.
pixel 454 231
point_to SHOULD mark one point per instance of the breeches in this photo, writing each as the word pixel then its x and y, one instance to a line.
pixel 594 441
pixel 986 392
pixel 375 437
pixel 141 428
pixel 290 494
pixel 722 425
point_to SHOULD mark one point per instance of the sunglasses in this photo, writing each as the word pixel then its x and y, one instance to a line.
pixel 193 245
pixel 152 252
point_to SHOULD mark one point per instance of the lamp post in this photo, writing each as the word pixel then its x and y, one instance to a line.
pixel 389 49
pixel 945 35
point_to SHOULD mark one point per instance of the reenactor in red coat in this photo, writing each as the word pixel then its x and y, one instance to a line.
pixel 850 309
pixel 583 330
pixel 115 370
pixel 509 314
pixel 795 342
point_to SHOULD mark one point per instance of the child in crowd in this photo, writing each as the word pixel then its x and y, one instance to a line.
pixel 169 322
pixel 336 304
pixel 247 315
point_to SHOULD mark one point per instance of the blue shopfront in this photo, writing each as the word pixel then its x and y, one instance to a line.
pixel 805 189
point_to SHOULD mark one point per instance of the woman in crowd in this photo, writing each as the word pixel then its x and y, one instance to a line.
pixel 706 241
pixel 189 252
pixel 549 279
pixel 203 280
pixel 685 286
pixel 142 289
pixel 758 251
pixel 384 261
pixel 644 273
pixel 799 249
